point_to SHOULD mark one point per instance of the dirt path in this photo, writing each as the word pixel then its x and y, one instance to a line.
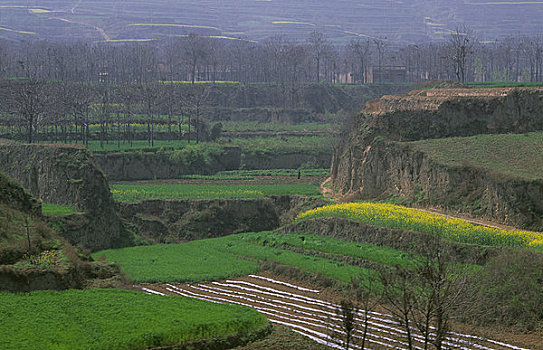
pixel 101 31
pixel 328 192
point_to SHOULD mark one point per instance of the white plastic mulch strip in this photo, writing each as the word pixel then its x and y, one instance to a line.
pixel 285 284
pixel 150 291
pixel 245 296
pixel 275 292
pixel 289 296
pixel 318 340
pixel 317 318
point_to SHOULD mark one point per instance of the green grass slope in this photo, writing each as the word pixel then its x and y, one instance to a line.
pixel 238 255
pixel 515 155
pixel 115 319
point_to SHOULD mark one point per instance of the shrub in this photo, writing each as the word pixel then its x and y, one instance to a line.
pixel 508 290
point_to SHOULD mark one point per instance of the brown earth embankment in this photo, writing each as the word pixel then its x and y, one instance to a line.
pixel 181 220
pixel 371 162
pixel 67 175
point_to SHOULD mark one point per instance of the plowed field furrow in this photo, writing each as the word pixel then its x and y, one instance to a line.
pixel 305 312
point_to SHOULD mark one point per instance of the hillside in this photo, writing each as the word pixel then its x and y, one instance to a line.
pixel 32 254
pixel 99 20
pixel 443 148
pixel 66 175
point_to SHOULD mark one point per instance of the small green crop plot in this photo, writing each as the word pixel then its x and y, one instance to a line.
pixel 113 146
pixel 277 172
pixel 137 192
pixel 115 319
pixel 252 126
pixel 55 209
pixel 189 262
pixel 283 145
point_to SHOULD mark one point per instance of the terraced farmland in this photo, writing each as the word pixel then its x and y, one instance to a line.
pixel 342 19
pixel 307 312
pixel 457 230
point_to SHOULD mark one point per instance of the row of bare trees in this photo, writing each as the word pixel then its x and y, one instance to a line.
pixel 64 111
pixel 276 60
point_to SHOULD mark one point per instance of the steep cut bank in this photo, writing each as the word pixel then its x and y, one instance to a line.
pixel 373 162
pixel 32 255
pixel 66 175
pixel 172 164
pixel 170 221
pixel 288 103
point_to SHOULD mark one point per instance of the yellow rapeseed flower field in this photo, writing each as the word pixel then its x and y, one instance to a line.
pixel 394 216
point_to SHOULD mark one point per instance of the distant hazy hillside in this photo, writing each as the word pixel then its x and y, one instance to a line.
pixel 405 21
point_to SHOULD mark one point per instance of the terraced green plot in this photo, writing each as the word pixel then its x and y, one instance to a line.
pixel 114 146
pixel 517 155
pixel 138 192
pixel 115 319
pixel 398 217
pixel 194 261
pixel 237 255
pixel 55 209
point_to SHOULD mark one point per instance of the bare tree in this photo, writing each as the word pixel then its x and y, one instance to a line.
pixel 149 95
pixel 29 100
pixel 461 45
pixel 380 45
pixel 358 51
pixel 318 45
pixel 399 297
pixel 194 50
pixel 365 294
pixel 194 104
pixel 532 49
pixel 347 312
pixel 440 282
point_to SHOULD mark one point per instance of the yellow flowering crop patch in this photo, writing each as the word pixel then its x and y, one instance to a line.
pixel 394 216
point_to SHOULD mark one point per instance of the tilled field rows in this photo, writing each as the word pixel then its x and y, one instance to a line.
pixel 304 312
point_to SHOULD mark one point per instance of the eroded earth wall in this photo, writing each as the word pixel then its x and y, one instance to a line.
pixel 66 175
pixel 372 162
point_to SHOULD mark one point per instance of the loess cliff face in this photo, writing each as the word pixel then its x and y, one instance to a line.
pixel 372 162
pixel 14 196
pixel 171 221
pixel 66 175
pixel 441 113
